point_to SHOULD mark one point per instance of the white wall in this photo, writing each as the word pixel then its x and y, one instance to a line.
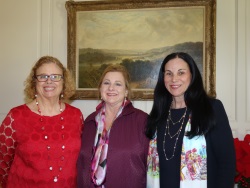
pixel 32 28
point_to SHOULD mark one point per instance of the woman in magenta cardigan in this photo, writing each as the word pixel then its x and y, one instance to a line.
pixel 114 146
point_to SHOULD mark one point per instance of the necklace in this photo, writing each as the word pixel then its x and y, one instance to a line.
pixel 40 112
pixel 55 171
pixel 177 134
pixel 169 118
pixel 168 129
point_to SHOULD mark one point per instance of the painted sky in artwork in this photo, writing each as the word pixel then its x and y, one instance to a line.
pixel 139 29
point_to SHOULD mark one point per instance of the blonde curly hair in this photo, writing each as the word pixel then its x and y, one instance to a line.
pixel 30 83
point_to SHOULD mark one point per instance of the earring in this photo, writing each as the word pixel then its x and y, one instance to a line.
pixel 35 95
pixel 61 96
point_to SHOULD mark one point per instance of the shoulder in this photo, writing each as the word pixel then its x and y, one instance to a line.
pixel 136 113
pixel 217 105
pixel 18 112
pixel 129 108
pixel 140 112
pixel 90 117
pixel 72 108
pixel 216 102
pixel 73 113
pixel 19 109
pixel 219 112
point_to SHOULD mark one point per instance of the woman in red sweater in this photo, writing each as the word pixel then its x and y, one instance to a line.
pixel 40 140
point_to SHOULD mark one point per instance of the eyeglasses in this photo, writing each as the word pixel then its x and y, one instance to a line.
pixel 53 77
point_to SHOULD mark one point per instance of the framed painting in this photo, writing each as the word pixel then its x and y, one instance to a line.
pixel 138 34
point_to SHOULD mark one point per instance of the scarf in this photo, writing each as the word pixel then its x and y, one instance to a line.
pixel 193 169
pixel 100 148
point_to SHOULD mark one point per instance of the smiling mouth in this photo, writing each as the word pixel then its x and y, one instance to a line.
pixel 49 89
pixel 175 86
pixel 111 94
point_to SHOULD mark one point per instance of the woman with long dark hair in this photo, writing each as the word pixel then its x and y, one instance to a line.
pixel 191 139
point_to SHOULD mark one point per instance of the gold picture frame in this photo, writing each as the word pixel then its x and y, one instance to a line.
pixel 101 30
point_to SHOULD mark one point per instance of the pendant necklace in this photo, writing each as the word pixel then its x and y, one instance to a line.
pixel 48 147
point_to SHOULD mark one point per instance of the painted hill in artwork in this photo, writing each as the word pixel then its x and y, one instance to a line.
pixel 143 66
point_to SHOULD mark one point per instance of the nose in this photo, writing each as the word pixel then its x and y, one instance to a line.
pixel 111 87
pixel 49 80
pixel 174 78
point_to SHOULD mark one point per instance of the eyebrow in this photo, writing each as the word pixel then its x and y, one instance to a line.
pixel 109 80
pixel 178 70
pixel 49 74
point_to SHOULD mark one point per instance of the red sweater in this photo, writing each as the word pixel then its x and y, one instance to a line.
pixel 35 152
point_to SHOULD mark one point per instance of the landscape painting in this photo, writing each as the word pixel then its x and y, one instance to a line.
pixel 138 39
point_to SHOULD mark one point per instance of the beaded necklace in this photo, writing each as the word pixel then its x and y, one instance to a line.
pixel 177 134
pixel 169 118
pixel 46 137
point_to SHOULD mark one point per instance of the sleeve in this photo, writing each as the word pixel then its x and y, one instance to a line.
pixel 222 143
pixel 145 141
pixel 142 120
pixel 82 122
pixel 7 147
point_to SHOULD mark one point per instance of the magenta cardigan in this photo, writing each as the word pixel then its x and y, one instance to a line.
pixel 127 154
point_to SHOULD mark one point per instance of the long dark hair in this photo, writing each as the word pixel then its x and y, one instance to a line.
pixel 196 99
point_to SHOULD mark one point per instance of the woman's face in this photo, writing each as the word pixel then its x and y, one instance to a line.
pixel 177 77
pixel 49 89
pixel 113 89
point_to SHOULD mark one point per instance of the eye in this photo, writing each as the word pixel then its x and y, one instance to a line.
pixel 167 73
pixel 181 73
pixel 43 76
pixel 53 76
pixel 105 83
pixel 118 84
